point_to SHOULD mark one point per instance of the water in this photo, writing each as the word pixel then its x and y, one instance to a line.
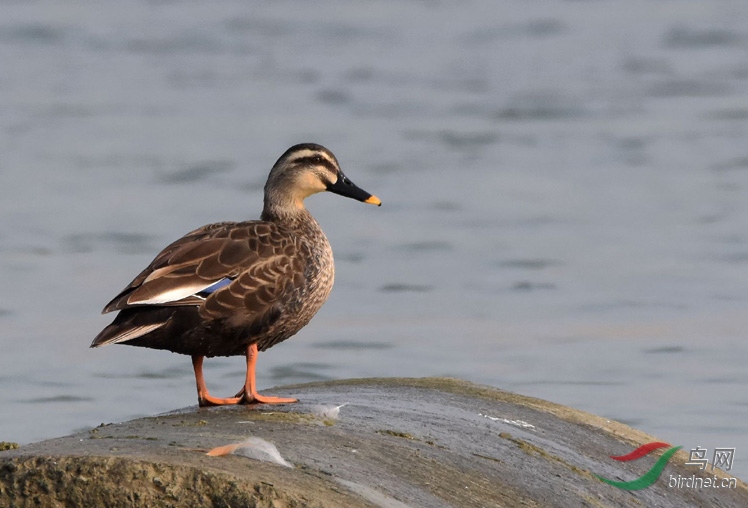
pixel 563 185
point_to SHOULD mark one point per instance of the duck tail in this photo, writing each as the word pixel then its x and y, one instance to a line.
pixel 131 324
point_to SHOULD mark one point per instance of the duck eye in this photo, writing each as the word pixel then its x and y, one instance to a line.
pixel 317 159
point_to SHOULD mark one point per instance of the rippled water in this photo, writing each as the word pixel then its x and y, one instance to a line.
pixel 564 189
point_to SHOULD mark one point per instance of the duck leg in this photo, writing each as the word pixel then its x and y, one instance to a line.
pixel 204 398
pixel 249 395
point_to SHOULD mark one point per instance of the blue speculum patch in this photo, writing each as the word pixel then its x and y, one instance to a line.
pixel 216 286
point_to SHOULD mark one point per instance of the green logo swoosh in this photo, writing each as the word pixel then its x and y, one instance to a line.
pixel 647 478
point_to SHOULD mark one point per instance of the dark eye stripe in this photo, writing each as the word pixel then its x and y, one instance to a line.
pixel 317 160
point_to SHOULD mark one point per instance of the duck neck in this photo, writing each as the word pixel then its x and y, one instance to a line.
pixel 291 213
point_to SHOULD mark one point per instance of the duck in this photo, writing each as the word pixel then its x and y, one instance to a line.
pixel 239 288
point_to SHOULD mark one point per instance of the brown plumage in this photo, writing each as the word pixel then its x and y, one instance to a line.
pixel 234 288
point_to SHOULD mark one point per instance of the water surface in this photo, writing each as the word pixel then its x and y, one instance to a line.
pixel 564 189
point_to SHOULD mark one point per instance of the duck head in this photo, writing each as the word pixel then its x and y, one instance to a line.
pixel 307 169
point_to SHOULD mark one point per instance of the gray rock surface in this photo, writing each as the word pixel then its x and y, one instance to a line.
pixel 430 442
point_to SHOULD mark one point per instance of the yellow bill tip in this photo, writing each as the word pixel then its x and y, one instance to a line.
pixel 373 200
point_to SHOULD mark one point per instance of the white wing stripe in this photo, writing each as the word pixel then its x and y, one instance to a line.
pixel 171 295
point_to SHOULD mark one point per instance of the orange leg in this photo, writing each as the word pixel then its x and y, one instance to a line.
pixel 249 394
pixel 204 398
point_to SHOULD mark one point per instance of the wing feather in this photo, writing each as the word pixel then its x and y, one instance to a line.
pixel 123 335
pixel 254 253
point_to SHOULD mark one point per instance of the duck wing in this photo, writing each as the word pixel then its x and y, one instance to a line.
pixel 243 272
pixel 166 262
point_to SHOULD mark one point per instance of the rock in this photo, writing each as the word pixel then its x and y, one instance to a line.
pixel 357 443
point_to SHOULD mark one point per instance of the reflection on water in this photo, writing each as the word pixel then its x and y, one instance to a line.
pixel 196 172
pixel 398 287
pixel 58 398
pixel 300 372
pixel 352 344
pixel 112 241
pixel 665 350
pixel 563 197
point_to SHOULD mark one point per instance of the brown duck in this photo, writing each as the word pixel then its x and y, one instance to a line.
pixel 236 288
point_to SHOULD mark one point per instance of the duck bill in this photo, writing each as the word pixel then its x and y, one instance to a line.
pixel 345 187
